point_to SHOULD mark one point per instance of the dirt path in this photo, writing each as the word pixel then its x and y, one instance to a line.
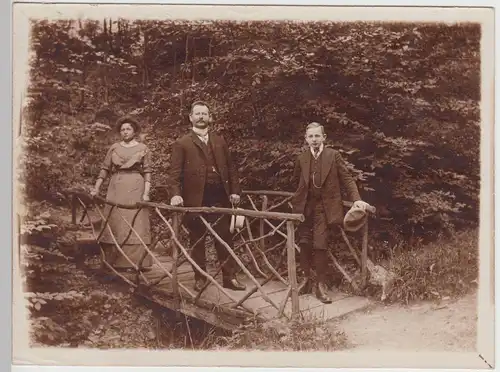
pixel 448 326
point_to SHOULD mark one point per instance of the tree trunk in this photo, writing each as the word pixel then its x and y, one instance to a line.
pixel 106 90
pixel 186 53
pixel 83 80
pixel 193 72
pixel 145 52
pixel 185 64
pixel 110 37
pixel 104 70
pixel 210 54
pixel 174 76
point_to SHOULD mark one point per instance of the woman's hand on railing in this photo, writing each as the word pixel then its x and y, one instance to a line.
pixel 145 197
pixel 95 190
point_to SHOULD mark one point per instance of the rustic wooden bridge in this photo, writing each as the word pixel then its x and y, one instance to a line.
pixel 269 271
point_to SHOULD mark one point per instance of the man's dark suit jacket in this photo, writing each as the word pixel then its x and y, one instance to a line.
pixel 188 168
pixel 334 175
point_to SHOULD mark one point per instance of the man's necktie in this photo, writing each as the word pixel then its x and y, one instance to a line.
pixel 204 139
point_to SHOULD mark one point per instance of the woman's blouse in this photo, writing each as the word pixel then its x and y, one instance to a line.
pixel 127 159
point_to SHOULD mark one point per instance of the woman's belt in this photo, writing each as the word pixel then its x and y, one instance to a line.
pixel 127 171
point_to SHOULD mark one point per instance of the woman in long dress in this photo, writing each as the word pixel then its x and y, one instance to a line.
pixel 128 162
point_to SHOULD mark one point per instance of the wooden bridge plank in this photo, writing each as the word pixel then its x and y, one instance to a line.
pixel 310 300
pixel 213 294
pixel 306 302
pixel 310 307
pixel 258 302
pixel 157 272
pixel 269 288
pixel 335 310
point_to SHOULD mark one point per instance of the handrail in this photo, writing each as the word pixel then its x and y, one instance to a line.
pixel 205 210
pixel 230 211
pixel 345 203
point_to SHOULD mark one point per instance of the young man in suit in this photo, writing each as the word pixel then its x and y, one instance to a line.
pixel 203 174
pixel 319 173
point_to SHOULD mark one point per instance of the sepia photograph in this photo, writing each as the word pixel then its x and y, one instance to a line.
pixel 285 180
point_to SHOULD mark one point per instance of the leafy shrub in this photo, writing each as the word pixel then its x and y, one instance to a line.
pixel 36 300
pixel 37 225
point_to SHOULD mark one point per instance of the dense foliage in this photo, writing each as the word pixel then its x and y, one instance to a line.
pixel 400 100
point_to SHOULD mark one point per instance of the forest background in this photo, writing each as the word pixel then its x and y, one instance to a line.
pixel 400 101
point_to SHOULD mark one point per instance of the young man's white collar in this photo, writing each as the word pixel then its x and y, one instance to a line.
pixel 319 152
pixel 202 133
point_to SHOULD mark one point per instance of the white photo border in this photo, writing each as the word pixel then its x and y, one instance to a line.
pixel 488 223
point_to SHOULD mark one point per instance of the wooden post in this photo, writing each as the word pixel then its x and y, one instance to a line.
pixel 261 222
pixel 292 269
pixel 364 255
pixel 73 209
pixel 175 258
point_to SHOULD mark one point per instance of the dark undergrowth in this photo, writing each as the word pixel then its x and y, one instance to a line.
pixel 447 267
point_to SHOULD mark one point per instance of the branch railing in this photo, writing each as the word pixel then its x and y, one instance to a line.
pixel 262 267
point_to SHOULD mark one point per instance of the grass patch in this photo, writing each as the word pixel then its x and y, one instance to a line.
pixel 445 268
pixel 307 334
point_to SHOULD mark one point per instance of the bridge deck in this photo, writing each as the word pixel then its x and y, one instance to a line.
pixel 216 308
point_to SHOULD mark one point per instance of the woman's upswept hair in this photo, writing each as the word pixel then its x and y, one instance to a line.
pixel 130 120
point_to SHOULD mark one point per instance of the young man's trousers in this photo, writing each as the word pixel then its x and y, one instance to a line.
pixel 313 242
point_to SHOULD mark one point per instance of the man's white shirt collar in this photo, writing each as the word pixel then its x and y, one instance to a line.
pixel 319 152
pixel 202 134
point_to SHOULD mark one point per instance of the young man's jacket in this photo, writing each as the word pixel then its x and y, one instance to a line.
pixel 188 168
pixel 334 177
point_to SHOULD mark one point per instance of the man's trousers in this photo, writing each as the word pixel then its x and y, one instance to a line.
pixel 215 196
pixel 313 242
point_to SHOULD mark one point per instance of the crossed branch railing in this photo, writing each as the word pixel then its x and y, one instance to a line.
pixel 180 254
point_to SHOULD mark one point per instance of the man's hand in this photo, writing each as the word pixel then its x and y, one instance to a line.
pixel 234 199
pixel 176 201
pixel 361 205
pixel 94 191
pixel 145 197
